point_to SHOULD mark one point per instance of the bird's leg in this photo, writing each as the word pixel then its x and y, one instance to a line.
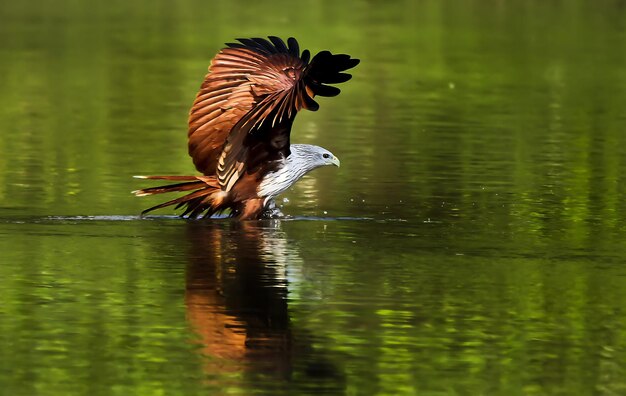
pixel 271 211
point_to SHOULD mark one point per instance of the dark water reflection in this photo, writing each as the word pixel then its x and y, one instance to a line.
pixel 236 300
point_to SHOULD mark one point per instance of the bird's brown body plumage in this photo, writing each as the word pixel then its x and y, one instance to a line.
pixel 240 122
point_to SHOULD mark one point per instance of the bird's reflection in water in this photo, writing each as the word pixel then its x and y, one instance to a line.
pixel 236 299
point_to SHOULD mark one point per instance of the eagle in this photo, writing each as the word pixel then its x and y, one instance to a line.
pixel 240 125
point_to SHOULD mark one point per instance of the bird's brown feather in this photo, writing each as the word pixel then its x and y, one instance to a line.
pixel 249 99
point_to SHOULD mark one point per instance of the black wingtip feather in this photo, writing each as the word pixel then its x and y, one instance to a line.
pixel 294 47
pixel 306 56
pixel 265 44
pixel 279 44
pixel 352 62
pixel 338 78
pixel 235 45
pixel 310 104
pixel 275 45
pixel 324 90
pixel 251 44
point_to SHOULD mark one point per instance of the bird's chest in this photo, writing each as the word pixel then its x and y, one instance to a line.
pixel 276 182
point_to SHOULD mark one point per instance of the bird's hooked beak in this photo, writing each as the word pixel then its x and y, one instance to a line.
pixel 335 161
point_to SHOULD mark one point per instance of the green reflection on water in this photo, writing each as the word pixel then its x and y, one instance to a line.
pixel 485 139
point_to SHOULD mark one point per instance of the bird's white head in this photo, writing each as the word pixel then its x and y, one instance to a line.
pixel 311 157
pixel 303 159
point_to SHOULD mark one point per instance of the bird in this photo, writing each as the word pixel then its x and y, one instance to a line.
pixel 240 125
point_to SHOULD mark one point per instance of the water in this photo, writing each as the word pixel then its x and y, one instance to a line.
pixel 471 243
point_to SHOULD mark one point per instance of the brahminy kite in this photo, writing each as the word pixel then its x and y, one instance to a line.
pixel 240 125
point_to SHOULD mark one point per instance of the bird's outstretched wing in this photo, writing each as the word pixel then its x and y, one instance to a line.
pixel 242 116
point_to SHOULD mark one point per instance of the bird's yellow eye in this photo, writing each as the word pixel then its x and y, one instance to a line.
pixel 326 155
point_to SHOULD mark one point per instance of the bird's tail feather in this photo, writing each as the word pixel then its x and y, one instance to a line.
pixel 205 195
